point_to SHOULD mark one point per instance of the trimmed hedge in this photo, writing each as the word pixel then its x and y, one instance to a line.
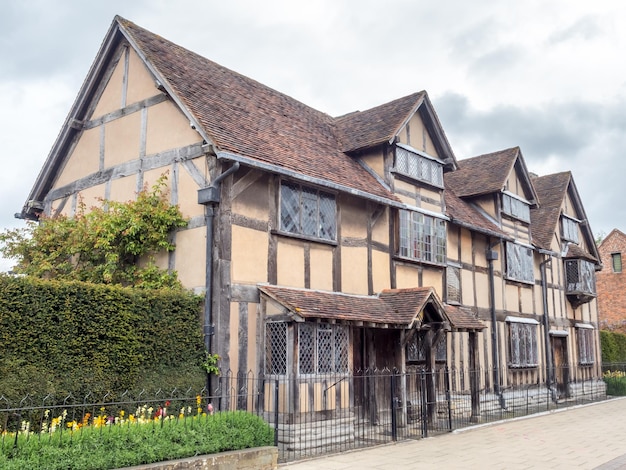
pixel 74 337
pixel 613 346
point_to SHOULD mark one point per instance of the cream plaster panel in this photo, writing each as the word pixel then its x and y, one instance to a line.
pixel 511 297
pixel 141 83
pixel 406 276
pixel 66 209
pixel 160 260
pixel 406 199
pixel 354 270
pixel 84 159
pixel 486 203
pixel 467 287
pixel 151 177
pixel 252 331
pixel 233 346
pixel 429 206
pixel 124 189
pixel 433 278
pixel 514 184
pixel 168 129
pixel 122 139
pixel 321 267
pixel 375 162
pixel 188 194
pixel 452 242
pixel 380 271
pixel 353 219
pixel 466 247
pixel 111 98
pixel 91 197
pixel 249 255
pixel 417 137
pixel 482 287
pixel 191 257
pixel 290 261
pixel 380 230
pixel 401 185
pixel 254 201
pixel 526 295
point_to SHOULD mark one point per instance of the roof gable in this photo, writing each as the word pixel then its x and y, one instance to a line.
pixel 488 173
pixel 379 125
pixel 553 189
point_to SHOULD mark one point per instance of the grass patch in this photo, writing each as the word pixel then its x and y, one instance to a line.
pixel 127 443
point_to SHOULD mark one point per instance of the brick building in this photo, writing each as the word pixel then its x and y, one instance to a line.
pixel 611 282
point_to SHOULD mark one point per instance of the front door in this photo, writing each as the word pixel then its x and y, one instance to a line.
pixel 561 367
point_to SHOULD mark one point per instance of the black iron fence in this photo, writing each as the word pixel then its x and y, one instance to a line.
pixel 311 415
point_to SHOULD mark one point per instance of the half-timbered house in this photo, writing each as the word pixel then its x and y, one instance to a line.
pixel 326 244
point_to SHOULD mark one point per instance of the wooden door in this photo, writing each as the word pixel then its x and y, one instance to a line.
pixel 561 365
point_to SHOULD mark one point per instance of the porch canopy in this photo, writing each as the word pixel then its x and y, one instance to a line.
pixel 409 308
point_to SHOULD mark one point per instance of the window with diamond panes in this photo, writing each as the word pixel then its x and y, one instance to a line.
pixel 422 237
pixel 569 229
pixel 416 348
pixel 419 167
pixel 515 208
pixel 307 211
pixel 276 348
pixel 453 282
pixel 580 276
pixel 585 346
pixel 322 348
pixel 523 345
pixel 519 263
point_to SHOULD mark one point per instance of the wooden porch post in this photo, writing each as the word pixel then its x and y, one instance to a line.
pixel 474 376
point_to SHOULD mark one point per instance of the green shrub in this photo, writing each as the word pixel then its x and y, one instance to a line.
pixel 613 346
pixel 61 337
pixel 117 446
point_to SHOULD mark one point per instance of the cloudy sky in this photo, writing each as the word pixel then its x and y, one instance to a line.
pixel 546 75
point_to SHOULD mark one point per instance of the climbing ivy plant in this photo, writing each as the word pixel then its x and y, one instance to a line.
pixel 113 243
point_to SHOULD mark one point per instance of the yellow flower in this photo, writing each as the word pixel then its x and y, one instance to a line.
pixel 198 400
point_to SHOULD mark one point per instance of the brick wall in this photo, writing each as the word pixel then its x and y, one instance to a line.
pixel 611 286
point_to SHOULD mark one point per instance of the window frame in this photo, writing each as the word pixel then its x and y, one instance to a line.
pixel 418 166
pixel 585 341
pixel 585 281
pixel 569 229
pixel 614 265
pixel 271 348
pixel 523 346
pixel 523 271
pixel 299 227
pixel 453 284
pixel 421 237
pixel 515 207
pixel 324 338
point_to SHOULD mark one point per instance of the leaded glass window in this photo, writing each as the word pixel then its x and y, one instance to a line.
pixel 419 167
pixel 322 348
pixel 307 211
pixel 453 282
pixel 523 345
pixel 422 237
pixel 519 263
pixel 276 348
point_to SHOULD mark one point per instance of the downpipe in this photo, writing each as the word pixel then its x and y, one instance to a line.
pixel 210 198
pixel 550 382
pixel 491 256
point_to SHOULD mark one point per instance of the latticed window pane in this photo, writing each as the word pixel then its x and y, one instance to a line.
pixel 307 211
pixel 581 276
pixel 310 215
pixel 422 237
pixel 328 220
pixel 523 345
pixel 453 280
pixel 341 349
pixel 325 348
pixel 276 348
pixel 418 167
pixel 570 229
pixel 306 348
pixel 289 208
pixel 322 348
pixel 441 351
pixel 585 345
pixel 616 259
pixel 519 263
pixel 515 208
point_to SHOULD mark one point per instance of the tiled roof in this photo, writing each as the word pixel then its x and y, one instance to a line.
pixel 397 307
pixel 483 174
pixel 244 117
pixel 462 213
pixel 463 319
pixel 574 251
pixel 364 129
pixel 551 190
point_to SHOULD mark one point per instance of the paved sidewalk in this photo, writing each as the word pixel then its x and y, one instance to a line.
pixel 585 437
